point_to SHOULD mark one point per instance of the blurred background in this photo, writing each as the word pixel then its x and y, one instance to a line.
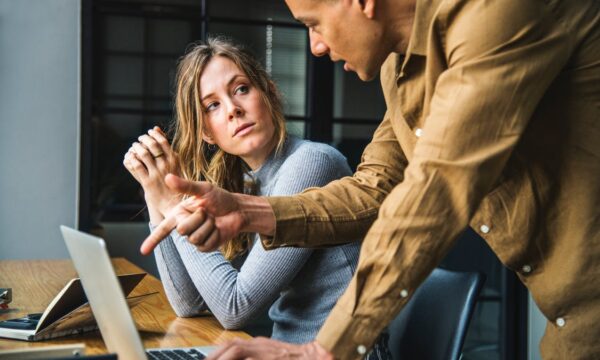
pixel 80 80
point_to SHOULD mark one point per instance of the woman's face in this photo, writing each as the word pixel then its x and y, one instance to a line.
pixel 236 118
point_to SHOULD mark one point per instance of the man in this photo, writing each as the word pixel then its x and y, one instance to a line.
pixel 492 121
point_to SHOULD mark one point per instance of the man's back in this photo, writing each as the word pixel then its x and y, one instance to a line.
pixel 542 215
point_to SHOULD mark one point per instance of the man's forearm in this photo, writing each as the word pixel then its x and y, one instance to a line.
pixel 343 210
pixel 257 215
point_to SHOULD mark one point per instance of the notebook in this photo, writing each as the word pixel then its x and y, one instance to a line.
pixel 68 313
pixel 108 304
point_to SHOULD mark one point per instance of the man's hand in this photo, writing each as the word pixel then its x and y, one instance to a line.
pixel 267 349
pixel 209 218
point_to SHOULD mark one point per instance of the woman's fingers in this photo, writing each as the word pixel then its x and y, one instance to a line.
pixel 135 166
pixel 171 163
pixel 161 140
pixel 156 141
pixel 143 155
pixel 152 146
pixel 160 151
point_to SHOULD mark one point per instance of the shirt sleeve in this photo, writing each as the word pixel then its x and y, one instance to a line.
pixel 236 297
pixel 501 58
pixel 343 210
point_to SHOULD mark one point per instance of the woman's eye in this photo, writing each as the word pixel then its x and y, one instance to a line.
pixel 212 106
pixel 242 89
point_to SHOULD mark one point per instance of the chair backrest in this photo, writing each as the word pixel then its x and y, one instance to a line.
pixel 434 323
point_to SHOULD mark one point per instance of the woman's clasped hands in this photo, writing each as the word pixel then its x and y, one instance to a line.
pixel 149 160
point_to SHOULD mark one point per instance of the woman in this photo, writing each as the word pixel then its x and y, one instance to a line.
pixel 230 131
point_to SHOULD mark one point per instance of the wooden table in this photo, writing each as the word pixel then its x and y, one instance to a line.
pixel 36 282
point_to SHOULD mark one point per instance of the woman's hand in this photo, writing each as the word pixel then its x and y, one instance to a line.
pixel 149 161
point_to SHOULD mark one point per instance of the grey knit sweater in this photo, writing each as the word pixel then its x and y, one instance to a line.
pixel 300 285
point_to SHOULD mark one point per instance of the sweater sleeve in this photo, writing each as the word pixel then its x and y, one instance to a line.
pixel 233 296
pixel 179 287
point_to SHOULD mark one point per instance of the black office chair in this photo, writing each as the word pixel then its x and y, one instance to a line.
pixel 434 323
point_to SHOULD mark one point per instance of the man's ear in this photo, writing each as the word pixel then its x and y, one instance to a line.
pixel 368 7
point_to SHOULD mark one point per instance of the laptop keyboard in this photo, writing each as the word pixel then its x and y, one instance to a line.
pixel 180 354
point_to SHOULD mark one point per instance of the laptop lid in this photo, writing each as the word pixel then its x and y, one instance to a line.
pixel 104 294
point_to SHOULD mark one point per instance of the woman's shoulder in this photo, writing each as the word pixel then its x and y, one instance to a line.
pixel 301 151
pixel 307 164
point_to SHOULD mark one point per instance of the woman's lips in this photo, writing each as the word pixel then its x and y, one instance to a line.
pixel 243 129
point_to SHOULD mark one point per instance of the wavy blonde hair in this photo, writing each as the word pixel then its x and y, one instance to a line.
pixel 197 161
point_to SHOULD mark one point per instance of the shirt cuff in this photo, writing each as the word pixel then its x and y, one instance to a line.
pixel 290 226
pixel 348 337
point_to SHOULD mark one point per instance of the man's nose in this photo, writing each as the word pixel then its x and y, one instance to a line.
pixel 317 45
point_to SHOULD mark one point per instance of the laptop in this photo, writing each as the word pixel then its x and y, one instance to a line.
pixel 108 304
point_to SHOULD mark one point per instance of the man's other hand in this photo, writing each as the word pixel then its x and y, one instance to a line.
pixel 267 349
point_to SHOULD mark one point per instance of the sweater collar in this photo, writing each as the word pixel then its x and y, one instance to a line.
pixel 272 164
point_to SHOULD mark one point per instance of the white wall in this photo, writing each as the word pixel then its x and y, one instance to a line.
pixel 39 122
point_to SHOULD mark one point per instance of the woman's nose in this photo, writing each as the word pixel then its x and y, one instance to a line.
pixel 235 111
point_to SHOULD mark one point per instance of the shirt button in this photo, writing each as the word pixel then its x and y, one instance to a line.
pixel 419 132
pixel 526 269
pixel 560 322
pixel 484 229
pixel 404 293
pixel 361 349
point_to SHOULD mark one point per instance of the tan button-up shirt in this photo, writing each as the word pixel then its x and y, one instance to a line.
pixel 493 120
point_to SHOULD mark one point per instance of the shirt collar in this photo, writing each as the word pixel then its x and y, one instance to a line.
pixel 424 12
pixel 417 45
